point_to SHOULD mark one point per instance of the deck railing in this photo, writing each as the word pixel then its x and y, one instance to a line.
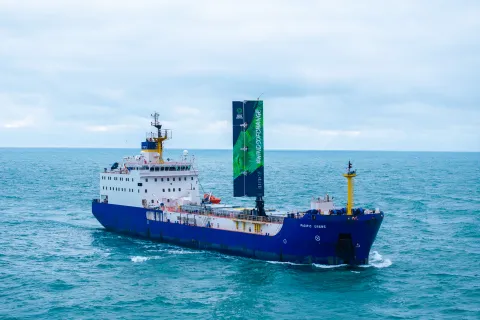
pixel 228 214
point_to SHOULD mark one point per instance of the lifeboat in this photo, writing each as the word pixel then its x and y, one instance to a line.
pixel 209 198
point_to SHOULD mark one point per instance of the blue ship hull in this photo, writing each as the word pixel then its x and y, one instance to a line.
pixel 334 239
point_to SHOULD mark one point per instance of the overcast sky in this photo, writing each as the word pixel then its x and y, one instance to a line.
pixel 347 75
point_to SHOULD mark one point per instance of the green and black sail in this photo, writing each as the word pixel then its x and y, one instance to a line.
pixel 248 151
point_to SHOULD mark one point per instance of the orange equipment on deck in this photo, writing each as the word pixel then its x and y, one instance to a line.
pixel 208 197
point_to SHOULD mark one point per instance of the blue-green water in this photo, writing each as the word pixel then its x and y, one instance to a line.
pixel 56 262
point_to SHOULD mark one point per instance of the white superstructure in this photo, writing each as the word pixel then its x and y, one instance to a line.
pixel 141 183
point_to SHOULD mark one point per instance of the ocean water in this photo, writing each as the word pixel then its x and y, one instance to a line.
pixel 56 261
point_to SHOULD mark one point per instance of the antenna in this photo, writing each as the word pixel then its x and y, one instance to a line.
pixel 260 96
pixel 156 123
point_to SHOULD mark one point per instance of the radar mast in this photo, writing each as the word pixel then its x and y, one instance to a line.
pixel 161 136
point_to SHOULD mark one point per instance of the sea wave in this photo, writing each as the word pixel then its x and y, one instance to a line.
pixel 139 259
pixel 377 261
pixel 328 266
pixel 170 251
pixel 287 263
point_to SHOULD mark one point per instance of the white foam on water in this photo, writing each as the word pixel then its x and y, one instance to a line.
pixel 138 259
pixel 328 266
pixel 286 263
pixel 183 252
pixel 384 264
pixel 355 271
pixel 377 261
pixel 376 256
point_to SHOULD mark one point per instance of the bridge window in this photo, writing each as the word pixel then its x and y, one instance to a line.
pixel 163 190
pixel 173 179
pixel 168 189
pixel 146 180
pixel 192 178
pixel 179 189
pixel 173 189
pixel 162 179
pixel 162 169
pixel 157 168
pixel 168 179
pixel 145 190
pixel 185 179
pixel 155 179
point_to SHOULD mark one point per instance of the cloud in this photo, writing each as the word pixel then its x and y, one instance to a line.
pixel 187 111
pixel 355 75
pixel 25 122
pixel 109 128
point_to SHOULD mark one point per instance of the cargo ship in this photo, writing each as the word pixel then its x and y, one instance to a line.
pixel 161 199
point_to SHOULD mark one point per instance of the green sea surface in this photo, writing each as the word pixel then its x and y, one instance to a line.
pixel 57 262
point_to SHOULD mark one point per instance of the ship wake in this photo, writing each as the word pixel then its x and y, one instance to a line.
pixel 140 259
pixel 377 261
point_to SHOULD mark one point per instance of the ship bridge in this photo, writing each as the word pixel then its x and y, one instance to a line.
pixel 147 180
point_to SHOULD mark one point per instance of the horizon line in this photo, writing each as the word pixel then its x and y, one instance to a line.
pixel 230 149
